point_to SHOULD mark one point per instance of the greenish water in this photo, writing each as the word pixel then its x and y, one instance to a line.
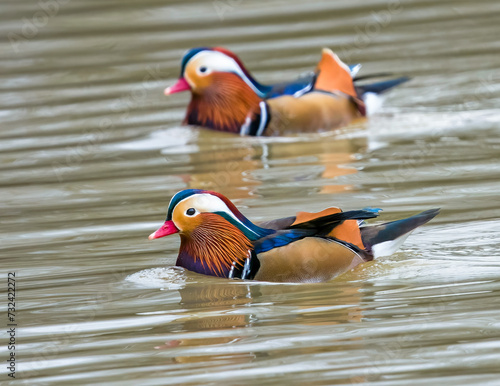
pixel 91 152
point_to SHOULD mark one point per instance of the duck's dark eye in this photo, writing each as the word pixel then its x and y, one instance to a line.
pixel 203 69
pixel 190 211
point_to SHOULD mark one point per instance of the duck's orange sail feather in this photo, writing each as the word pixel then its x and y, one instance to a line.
pixel 347 231
pixel 334 75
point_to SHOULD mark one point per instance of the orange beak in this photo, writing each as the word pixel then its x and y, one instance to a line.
pixel 181 85
pixel 166 229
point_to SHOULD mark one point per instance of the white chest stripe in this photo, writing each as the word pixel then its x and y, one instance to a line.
pixel 263 118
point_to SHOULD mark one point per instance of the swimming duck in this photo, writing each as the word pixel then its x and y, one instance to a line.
pixel 218 240
pixel 226 97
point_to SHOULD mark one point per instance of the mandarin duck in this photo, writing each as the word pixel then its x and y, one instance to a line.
pixel 218 240
pixel 225 96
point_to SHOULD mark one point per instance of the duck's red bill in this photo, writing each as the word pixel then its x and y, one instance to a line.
pixel 181 85
pixel 166 229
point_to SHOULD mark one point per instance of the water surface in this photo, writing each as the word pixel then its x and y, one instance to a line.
pixel 91 152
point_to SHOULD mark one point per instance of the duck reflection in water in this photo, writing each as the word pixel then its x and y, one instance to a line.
pixel 236 169
pixel 247 308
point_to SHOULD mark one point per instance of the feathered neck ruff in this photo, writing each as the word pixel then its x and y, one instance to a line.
pixel 224 105
pixel 213 246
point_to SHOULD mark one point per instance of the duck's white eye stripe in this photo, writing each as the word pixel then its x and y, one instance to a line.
pixel 217 61
pixel 205 202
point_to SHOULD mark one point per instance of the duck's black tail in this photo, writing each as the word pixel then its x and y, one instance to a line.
pixel 377 87
pixel 385 239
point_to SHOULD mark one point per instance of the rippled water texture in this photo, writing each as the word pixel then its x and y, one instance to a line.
pixel 91 152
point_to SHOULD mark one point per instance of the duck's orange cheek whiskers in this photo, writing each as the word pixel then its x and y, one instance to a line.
pixel 181 85
pixel 166 229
